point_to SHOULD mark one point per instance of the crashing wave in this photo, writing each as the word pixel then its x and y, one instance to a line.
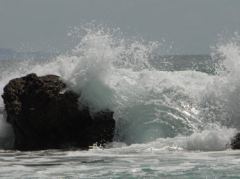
pixel 150 105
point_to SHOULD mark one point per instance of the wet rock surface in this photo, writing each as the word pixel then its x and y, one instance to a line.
pixel 45 115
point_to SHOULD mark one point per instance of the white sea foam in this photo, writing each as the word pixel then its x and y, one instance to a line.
pixel 209 140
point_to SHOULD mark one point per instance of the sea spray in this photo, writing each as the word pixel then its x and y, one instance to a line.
pixel 116 73
pixel 221 101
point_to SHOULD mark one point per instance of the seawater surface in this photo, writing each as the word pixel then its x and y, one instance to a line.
pixel 175 115
pixel 126 162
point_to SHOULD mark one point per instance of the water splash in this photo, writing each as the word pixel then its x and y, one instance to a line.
pixel 221 100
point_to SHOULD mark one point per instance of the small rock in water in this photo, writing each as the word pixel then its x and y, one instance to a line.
pixel 235 144
pixel 45 115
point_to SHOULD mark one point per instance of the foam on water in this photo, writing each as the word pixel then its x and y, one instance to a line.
pixel 187 109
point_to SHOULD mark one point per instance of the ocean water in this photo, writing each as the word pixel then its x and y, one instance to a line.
pixel 175 115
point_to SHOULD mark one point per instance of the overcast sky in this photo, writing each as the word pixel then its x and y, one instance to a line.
pixel 190 25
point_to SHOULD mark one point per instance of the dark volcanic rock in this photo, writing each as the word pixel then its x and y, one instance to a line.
pixel 235 144
pixel 45 115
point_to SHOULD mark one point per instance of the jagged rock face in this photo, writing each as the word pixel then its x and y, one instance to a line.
pixel 235 144
pixel 45 115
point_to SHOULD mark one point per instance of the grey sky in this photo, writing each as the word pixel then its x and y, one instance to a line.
pixel 190 25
